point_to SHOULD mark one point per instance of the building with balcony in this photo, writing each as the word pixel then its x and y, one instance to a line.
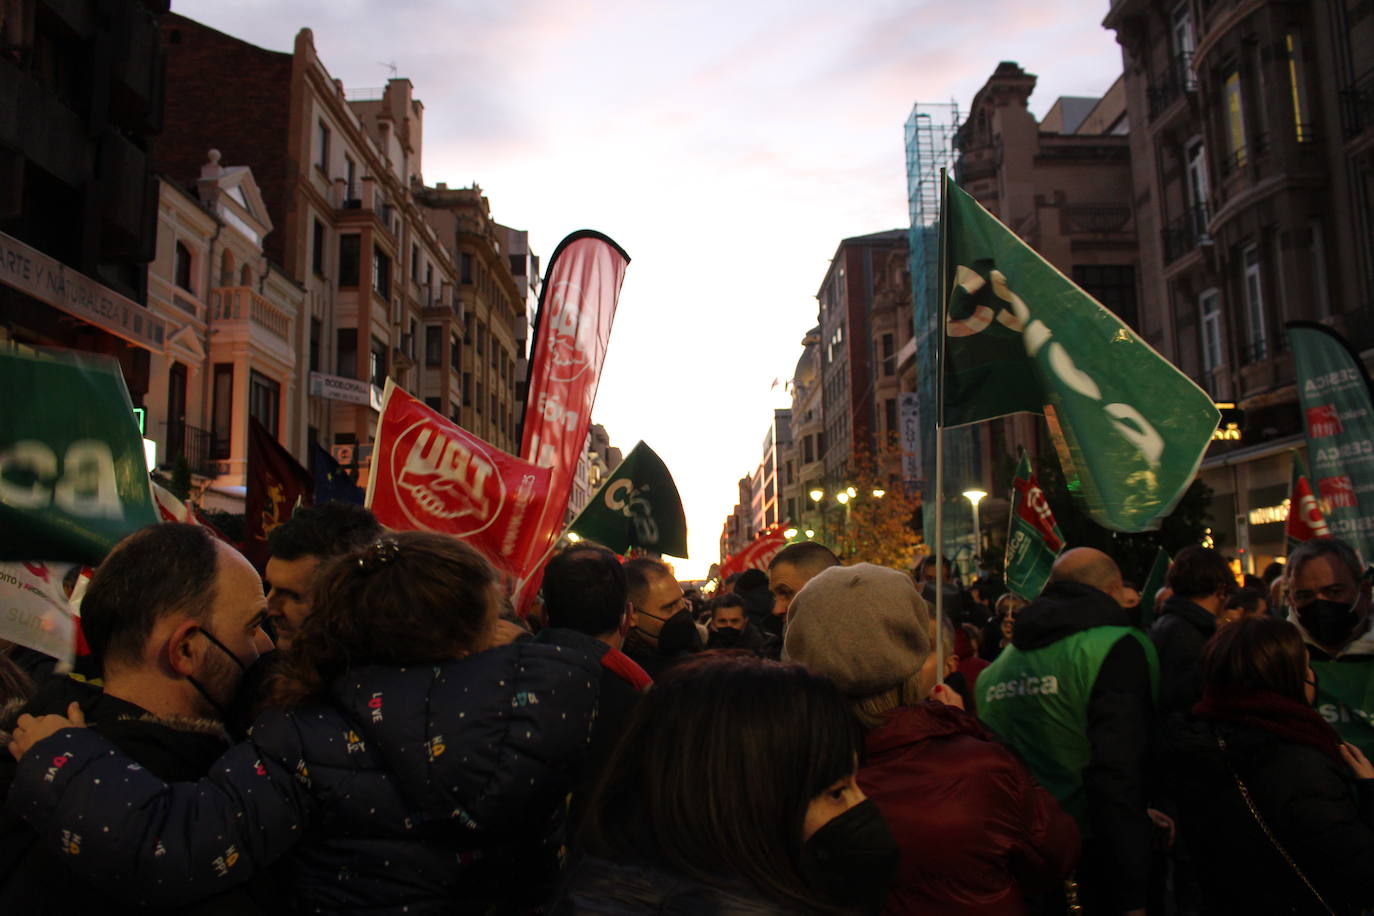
pixel 232 317
pixel 806 454
pixel 81 84
pixel 1252 148
pixel 739 528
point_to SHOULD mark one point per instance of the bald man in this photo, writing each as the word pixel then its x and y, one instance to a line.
pixel 1074 695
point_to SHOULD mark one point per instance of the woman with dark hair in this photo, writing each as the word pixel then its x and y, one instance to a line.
pixel 1277 813
pixel 405 769
pixel 733 791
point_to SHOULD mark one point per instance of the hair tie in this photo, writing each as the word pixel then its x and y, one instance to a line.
pixel 381 552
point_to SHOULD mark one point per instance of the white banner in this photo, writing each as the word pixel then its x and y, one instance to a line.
pixel 34 612
pixel 912 471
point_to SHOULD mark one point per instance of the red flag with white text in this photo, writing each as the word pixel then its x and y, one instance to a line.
pixel 757 554
pixel 429 474
pixel 572 330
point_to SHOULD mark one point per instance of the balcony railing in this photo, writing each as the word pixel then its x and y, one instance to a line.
pixel 1186 233
pixel 197 445
pixel 1176 80
pixel 243 303
pixel 1254 352
pixel 1357 105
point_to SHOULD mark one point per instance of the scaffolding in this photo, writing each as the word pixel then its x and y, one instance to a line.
pixel 931 137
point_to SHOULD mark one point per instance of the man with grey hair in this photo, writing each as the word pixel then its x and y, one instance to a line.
pixel 1074 695
pixel 1329 599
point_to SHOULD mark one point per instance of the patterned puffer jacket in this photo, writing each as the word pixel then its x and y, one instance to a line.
pixel 424 789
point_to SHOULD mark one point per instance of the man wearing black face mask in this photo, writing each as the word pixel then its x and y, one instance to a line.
pixel 662 631
pixel 1329 600
pixel 731 627
pixel 173 617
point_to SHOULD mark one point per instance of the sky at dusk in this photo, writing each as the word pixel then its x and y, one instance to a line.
pixel 728 147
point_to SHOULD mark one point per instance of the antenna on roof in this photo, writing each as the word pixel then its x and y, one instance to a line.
pixel 390 66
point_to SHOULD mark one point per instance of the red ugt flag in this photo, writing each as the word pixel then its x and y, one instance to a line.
pixel 756 555
pixel 1305 520
pixel 430 474
pixel 576 308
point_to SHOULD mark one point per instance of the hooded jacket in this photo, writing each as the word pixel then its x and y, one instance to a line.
pixel 420 789
pixel 1179 635
pixel 1120 712
pixel 34 878
pixel 1322 817
pixel 976 831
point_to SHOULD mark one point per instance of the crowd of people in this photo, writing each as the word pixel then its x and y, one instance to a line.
pixel 370 728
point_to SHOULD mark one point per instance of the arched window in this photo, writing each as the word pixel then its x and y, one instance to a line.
pixel 183 268
pixel 226 269
pixel 246 276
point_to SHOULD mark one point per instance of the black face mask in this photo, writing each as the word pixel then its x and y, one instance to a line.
pixel 773 624
pixel 726 638
pixel 851 860
pixel 1328 622
pixel 222 710
pixel 679 634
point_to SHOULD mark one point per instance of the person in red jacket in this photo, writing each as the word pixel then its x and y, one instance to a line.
pixel 976 832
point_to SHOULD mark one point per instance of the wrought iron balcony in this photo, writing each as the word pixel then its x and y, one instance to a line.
pixel 1186 233
pixel 1357 105
pixel 197 445
pixel 1255 351
pixel 1176 80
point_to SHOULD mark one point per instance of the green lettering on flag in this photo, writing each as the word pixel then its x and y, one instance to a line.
pixel 1034 539
pixel 1129 428
pixel 73 477
pixel 637 506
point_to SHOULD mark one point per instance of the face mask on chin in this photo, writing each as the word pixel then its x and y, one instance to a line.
pixel 851 859
pixel 222 709
pixel 1330 623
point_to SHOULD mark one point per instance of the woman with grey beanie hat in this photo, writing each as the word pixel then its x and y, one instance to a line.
pixel 976 832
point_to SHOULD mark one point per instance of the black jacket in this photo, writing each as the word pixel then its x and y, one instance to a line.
pixel 1322 817
pixel 1179 635
pixel 429 788
pixel 598 886
pixel 1120 709
pixel 36 880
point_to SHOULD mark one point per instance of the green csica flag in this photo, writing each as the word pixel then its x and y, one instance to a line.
pixel 1334 395
pixel 73 477
pixel 1034 539
pixel 1129 428
pixel 637 506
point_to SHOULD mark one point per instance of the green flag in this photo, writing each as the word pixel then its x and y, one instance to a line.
pixel 1334 394
pixel 1034 539
pixel 1130 429
pixel 637 506
pixel 73 477
pixel 1154 581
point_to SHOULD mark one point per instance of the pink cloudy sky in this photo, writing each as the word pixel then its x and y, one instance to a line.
pixel 728 146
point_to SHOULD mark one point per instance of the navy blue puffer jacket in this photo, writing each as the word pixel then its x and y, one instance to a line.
pixel 431 788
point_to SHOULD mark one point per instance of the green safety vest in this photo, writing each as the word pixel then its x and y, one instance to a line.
pixel 1038 702
pixel 1345 698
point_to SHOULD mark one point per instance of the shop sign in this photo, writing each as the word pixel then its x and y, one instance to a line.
pixel 48 280
pixel 351 390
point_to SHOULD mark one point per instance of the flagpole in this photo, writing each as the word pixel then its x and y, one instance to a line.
pixel 940 443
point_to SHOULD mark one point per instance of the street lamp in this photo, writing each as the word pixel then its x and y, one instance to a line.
pixel 879 492
pixel 817 495
pixel 810 532
pixel 790 533
pixel 975 497
pixel 842 497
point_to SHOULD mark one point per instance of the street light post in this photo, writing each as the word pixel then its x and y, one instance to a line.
pixel 975 497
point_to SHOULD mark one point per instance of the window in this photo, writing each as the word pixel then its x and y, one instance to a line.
pixel 429 280
pixel 467 389
pixel 350 179
pixel 264 398
pixel 381 273
pixel 455 354
pixel 1209 304
pixel 322 147
pixel 1196 155
pixel 346 358
pixel 481 339
pixel 465 263
pixel 808 450
pixel 348 260
pixel 435 404
pixel 889 360
pixel 176 411
pixel 1297 90
pixel 315 331
pixel 890 418
pixel 434 345
pixel 183 268
pixel 377 363
pixel 414 260
pixel 1235 121
pixel 1320 290
pixel 478 403
pixel 517 265
pixel 1113 285
pixel 222 412
pixel 317 249
pixel 1182 26
pixel 412 342
pixel 226 268
pixel 1255 348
